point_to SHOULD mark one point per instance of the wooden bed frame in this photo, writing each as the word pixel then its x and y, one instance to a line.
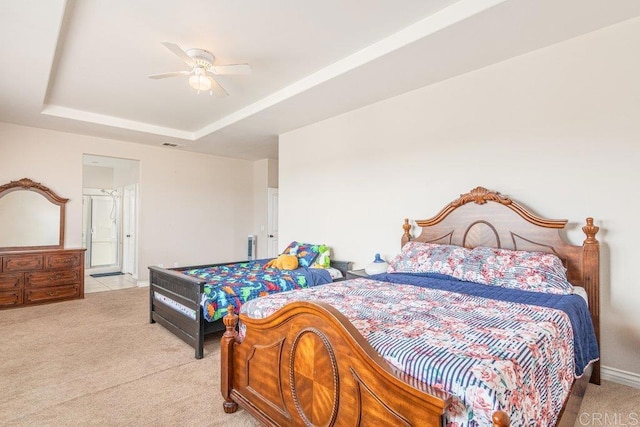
pixel 308 365
pixel 187 290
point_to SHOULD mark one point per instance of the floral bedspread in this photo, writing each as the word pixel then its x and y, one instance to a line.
pixel 235 284
pixel 489 354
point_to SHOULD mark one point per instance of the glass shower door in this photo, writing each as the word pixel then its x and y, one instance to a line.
pixel 101 229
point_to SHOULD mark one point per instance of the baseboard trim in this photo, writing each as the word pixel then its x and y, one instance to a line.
pixel 142 283
pixel 619 376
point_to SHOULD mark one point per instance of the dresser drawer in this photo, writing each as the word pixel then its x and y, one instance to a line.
pixel 22 263
pixel 39 279
pixel 10 298
pixel 35 295
pixel 40 276
pixel 10 280
pixel 68 260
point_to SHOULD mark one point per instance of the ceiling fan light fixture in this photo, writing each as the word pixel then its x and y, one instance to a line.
pixel 200 82
pixel 203 72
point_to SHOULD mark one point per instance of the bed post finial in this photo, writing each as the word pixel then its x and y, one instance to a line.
pixel 590 230
pixel 406 237
pixel 226 360
pixel 500 419
pixel 230 321
pixel 591 282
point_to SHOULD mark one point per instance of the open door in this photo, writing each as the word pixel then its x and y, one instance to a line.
pixel 129 230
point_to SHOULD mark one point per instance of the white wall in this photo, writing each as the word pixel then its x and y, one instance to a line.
pixel 558 129
pixel 195 209
pixel 97 177
pixel 272 172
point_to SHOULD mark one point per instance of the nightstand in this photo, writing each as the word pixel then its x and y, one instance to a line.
pixel 343 266
pixel 354 274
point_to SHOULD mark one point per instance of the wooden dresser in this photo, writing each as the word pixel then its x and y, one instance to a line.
pixel 41 276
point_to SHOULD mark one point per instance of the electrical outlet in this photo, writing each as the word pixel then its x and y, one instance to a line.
pixel 161 265
pixel 175 264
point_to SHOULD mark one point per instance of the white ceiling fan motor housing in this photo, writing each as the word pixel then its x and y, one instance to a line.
pixel 201 57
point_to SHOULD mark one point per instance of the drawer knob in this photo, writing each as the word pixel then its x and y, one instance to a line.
pixel 52 293
pixel 55 277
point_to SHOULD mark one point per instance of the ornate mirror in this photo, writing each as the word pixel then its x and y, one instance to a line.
pixel 31 216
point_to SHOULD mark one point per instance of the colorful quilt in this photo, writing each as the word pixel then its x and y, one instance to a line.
pixel 235 284
pixel 489 354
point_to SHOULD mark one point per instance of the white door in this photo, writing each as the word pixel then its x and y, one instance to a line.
pixel 272 222
pixel 129 235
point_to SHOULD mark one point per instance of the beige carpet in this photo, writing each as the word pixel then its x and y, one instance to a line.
pixel 99 361
pixel 610 404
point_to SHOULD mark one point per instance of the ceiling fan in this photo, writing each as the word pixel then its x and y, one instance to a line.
pixel 203 72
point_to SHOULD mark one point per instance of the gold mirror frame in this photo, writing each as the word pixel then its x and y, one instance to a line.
pixel 26 184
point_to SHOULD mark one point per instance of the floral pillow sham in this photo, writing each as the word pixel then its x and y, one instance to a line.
pixel 524 270
pixel 417 257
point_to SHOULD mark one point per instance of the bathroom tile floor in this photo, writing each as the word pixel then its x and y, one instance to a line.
pixel 108 283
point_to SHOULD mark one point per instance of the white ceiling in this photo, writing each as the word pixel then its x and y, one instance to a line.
pixel 82 66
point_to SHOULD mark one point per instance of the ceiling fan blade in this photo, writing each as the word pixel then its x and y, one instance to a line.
pixel 231 69
pixel 180 53
pixel 215 86
pixel 174 74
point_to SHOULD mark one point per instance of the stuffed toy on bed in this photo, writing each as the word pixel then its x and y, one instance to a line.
pixel 283 262
pixel 323 260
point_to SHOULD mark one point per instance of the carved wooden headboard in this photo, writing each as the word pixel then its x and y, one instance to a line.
pixel 487 218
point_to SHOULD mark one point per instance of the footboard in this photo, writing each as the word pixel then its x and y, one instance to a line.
pixel 308 365
pixel 169 287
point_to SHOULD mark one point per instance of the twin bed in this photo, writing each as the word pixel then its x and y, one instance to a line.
pixel 477 322
pixel 191 301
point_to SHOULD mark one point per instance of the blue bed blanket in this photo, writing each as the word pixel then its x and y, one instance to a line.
pixel 585 344
pixel 234 284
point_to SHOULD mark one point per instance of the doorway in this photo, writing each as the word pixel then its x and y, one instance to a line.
pixel 110 215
